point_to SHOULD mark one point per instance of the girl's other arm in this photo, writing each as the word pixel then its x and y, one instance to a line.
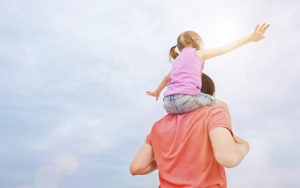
pixel 161 86
pixel 257 35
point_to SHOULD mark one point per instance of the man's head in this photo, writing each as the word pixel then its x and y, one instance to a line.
pixel 208 86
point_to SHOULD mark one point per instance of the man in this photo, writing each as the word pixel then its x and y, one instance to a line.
pixel 192 149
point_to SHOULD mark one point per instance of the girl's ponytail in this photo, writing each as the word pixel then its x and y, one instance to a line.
pixel 173 54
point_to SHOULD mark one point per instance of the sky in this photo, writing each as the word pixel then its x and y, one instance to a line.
pixel 73 77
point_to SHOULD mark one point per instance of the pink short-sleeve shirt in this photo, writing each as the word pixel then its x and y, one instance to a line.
pixel 183 151
pixel 186 74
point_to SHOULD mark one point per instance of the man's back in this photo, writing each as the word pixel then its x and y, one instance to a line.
pixel 183 151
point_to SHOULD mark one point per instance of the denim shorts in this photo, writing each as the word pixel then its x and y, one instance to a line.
pixel 180 103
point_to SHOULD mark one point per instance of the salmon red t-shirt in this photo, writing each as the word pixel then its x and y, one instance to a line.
pixel 183 151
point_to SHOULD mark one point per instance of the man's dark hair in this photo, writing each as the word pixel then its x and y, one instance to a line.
pixel 208 86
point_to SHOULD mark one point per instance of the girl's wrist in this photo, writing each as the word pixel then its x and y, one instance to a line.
pixel 249 38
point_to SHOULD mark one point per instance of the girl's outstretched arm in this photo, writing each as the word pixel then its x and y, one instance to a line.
pixel 161 86
pixel 257 35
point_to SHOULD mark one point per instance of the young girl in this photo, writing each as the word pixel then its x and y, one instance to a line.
pixel 184 80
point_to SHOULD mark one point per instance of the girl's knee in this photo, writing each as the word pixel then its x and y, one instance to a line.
pixel 221 104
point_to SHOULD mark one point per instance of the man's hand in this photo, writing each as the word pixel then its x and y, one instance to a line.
pixel 239 140
pixel 153 93
pixel 243 144
pixel 258 33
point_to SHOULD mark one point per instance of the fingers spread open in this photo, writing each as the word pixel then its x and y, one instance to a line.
pixel 261 27
pixel 264 29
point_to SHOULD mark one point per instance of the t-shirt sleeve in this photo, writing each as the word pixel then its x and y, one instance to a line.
pixel 219 118
pixel 148 139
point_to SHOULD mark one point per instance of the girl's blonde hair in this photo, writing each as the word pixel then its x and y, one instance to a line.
pixel 186 39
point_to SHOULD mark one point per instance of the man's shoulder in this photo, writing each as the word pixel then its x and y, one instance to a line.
pixel 203 112
pixel 165 119
pixel 208 110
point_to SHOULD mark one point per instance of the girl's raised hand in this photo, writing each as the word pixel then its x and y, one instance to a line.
pixel 153 93
pixel 258 33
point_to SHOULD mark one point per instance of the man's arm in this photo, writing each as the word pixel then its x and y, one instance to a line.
pixel 229 151
pixel 144 161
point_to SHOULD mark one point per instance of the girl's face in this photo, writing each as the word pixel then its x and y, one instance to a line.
pixel 199 42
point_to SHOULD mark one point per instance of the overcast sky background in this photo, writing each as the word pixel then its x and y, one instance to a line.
pixel 73 76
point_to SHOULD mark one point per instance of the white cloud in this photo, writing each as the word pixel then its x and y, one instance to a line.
pixel 93 61
pixel 47 177
pixel 25 186
pixel 81 135
pixel 67 147
pixel 66 163
pixel 52 175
